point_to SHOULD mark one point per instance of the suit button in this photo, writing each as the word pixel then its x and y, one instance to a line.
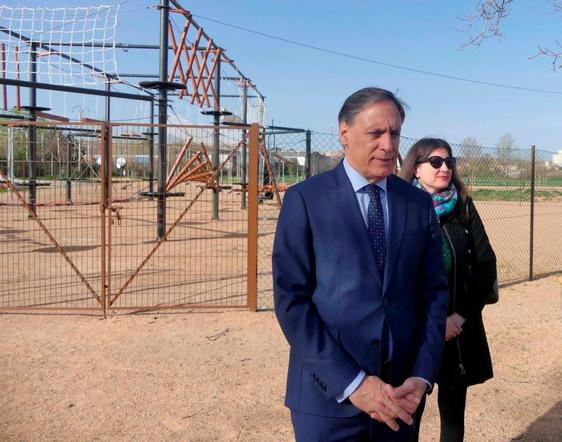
pixel 385 302
pixel 374 342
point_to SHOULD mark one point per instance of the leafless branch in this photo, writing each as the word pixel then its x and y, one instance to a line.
pixel 489 14
pixel 555 54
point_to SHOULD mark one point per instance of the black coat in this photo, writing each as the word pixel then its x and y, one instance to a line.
pixel 466 358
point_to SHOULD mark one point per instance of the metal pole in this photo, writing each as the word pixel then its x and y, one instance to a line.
pixel 72 89
pixel 4 87
pixel 162 119
pixel 262 110
pixel 253 219
pixel 11 153
pixel 244 145
pixel 308 155
pixel 32 134
pixel 68 180
pixel 17 59
pixel 151 151
pixel 216 137
pixel 106 157
pixel 532 220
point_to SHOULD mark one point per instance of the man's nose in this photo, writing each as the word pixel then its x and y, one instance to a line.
pixel 385 142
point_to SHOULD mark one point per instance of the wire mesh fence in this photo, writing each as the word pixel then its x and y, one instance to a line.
pixel 69 241
pixel 547 219
pixel 500 180
pixel 203 259
pixel 75 237
pixel 50 219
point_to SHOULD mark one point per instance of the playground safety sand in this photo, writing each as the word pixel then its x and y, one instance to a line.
pixel 220 376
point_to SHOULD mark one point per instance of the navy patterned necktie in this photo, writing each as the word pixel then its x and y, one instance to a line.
pixel 375 226
pixel 377 235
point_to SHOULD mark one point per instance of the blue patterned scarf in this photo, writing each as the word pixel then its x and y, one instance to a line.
pixel 444 202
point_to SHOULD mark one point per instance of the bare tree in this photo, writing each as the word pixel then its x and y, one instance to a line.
pixel 487 21
pixel 471 161
pixel 470 148
pixel 505 152
pixel 489 14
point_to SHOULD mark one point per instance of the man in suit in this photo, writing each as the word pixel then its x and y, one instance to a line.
pixel 359 286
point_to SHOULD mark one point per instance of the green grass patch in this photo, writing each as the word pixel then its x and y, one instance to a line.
pixel 512 194
pixel 554 181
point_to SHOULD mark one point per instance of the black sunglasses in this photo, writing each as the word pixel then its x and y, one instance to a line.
pixel 436 162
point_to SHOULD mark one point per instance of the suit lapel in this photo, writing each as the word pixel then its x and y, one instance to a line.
pixel 398 213
pixel 349 209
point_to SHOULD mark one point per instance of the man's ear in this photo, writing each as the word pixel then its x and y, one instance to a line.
pixel 343 131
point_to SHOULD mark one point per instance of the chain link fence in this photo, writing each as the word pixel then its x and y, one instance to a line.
pixel 51 195
pixel 80 217
pixel 49 225
pixel 519 199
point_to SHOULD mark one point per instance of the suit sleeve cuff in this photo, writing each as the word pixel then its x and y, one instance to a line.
pixel 429 385
pixel 351 387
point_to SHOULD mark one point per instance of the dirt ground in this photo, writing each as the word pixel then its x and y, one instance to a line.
pixel 220 376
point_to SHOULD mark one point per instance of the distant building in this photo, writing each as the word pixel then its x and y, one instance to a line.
pixel 557 158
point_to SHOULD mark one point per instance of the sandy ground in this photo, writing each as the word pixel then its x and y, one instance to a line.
pixel 209 376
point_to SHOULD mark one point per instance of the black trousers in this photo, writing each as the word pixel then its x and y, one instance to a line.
pixel 452 401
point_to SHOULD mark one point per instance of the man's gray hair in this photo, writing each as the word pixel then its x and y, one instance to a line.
pixel 369 95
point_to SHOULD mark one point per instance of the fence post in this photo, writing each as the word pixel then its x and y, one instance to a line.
pixel 244 142
pixel 162 121
pixel 252 285
pixel 215 158
pixel 32 130
pixel 532 220
pixel 69 143
pixel 308 154
pixel 103 218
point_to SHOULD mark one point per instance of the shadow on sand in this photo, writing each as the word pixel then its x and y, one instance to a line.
pixel 546 428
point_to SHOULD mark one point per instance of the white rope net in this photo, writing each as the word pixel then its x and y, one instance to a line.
pixel 74 46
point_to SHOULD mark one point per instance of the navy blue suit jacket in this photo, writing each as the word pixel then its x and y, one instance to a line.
pixel 328 294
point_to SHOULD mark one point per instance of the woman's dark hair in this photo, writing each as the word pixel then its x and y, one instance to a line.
pixel 420 151
pixel 358 100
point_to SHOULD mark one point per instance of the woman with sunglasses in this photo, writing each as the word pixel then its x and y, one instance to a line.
pixel 471 267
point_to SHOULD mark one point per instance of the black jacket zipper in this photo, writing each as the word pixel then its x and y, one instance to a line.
pixel 454 293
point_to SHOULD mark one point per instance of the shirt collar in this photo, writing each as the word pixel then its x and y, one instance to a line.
pixel 358 181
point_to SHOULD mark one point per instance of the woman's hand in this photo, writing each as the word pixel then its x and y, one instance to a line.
pixel 454 326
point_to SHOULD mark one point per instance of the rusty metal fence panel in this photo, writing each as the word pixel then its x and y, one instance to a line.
pixel 69 241
pixel 202 261
pixel 50 238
